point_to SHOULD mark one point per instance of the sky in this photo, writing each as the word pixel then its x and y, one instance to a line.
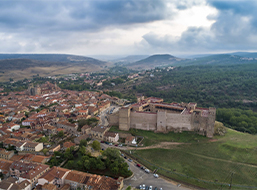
pixel 128 27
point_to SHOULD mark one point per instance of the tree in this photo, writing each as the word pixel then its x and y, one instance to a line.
pixel 96 145
pixel 61 134
pixel 83 150
pixel 70 164
pixel 83 142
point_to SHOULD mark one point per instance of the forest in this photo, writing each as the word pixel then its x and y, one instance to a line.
pixel 229 86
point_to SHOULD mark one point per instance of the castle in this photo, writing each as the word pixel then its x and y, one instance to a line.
pixel 42 89
pixel 155 115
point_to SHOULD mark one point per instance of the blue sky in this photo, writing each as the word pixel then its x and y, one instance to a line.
pixel 126 27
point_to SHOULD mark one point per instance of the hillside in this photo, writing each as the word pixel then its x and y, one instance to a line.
pixel 20 66
pixel 217 59
pixel 154 61
pixel 197 160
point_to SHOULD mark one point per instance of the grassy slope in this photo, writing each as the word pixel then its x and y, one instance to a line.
pixel 203 159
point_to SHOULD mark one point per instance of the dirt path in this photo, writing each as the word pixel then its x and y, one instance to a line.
pixel 165 145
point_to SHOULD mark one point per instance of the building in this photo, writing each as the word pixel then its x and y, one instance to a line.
pixel 55 149
pixel 68 145
pixel 42 89
pixel 131 140
pixel 69 127
pixel 7 155
pixel 153 114
pixel 55 176
pixel 4 166
pixel 28 171
pixel 83 180
pixel 33 147
pixel 111 137
pixel 13 184
pixel 85 129
pixel 98 132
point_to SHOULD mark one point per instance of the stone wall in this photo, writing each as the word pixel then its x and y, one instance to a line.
pixel 143 120
pixel 178 122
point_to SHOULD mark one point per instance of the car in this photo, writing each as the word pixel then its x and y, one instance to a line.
pixel 120 145
pixel 140 187
pixel 156 175
pixel 142 167
pixel 138 165
pixel 146 188
pixel 161 189
pixel 106 143
pixel 110 144
pixel 116 145
pixel 143 186
pixel 147 171
pixel 102 141
pixel 102 148
pixel 155 188
pixel 122 155
pixel 151 187
pixel 125 157
pixel 129 160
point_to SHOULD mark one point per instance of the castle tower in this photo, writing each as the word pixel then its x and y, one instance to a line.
pixel 37 90
pixel 124 118
pixel 161 121
pixel 211 122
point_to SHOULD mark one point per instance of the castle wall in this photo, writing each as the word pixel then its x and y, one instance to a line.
pixel 144 121
pixel 124 119
pixel 113 119
pixel 178 122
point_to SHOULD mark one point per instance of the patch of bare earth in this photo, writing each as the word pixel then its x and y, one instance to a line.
pixel 164 145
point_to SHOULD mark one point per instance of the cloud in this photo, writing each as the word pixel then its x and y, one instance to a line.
pixel 235 28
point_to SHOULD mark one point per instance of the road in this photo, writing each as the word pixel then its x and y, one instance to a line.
pixel 141 177
pixel 104 121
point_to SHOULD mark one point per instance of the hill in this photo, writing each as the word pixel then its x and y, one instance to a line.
pixel 217 59
pixel 245 54
pixel 197 160
pixel 130 59
pixel 154 61
pixel 20 66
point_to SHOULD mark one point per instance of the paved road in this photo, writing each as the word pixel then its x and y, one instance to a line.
pixel 141 177
pixel 104 121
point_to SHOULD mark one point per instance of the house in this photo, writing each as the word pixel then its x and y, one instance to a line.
pixel 35 158
pixel 13 184
pixel 19 145
pixel 69 127
pixel 85 129
pixel 4 154
pixel 55 149
pixel 55 176
pixel 111 137
pixel 68 145
pixel 49 187
pixel 33 146
pixel 49 130
pixel 81 180
pixel 28 171
pixel 98 132
pixel 4 166
pixel 130 140
pixel 82 137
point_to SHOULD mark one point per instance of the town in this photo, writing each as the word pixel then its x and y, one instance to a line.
pixel 43 126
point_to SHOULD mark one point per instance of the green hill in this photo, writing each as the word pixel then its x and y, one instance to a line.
pixel 154 61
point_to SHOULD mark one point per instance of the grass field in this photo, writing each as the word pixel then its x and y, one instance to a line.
pixel 230 157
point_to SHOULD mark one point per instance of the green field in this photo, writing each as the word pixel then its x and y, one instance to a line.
pixel 203 162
